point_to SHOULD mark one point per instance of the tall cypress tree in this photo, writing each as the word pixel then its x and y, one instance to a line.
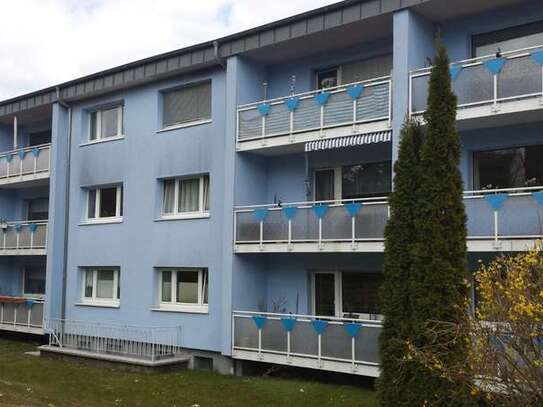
pixel 399 238
pixel 437 282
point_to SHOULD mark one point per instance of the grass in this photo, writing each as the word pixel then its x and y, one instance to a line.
pixel 32 381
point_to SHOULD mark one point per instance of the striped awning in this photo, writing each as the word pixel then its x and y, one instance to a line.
pixel 349 141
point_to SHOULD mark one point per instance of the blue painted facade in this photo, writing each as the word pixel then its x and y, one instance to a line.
pixel 143 242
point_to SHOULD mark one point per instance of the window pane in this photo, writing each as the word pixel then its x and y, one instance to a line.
pixel 325 294
pixel 367 69
pixel 206 192
pixel 110 122
pixel 324 185
pixel 92 204
pixel 38 209
pixel 88 283
pixel 168 196
pixel 108 202
pixel 187 104
pixel 205 284
pixel 509 39
pixel 511 168
pixel 189 195
pixel 166 288
pixel 104 285
pixel 366 180
pixel 361 293
pixel 187 287
pixel 34 280
pixel 327 79
pixel 93 126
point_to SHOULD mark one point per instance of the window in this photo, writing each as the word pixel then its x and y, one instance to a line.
pixel 105 203
pixel 185 197
pixel 509 39
pixel 39 138
pixel 184 289
pixel 106 123
pixel 355 72
pixel 37 209
pixel 354 181
pixel 328 78
pixel 187 104
pixel 347 294
pixel 34 281
pixel 509 168
pixel 101 286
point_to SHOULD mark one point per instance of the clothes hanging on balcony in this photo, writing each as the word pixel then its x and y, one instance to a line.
pixel 349 141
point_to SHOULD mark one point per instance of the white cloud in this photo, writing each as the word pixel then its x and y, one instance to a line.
pixel 46 42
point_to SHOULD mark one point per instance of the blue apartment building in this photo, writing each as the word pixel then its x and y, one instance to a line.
pixel 225 203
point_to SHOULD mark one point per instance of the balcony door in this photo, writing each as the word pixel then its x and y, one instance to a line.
pixel 325 295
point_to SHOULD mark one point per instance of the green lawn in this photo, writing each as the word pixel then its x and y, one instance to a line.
pixel 32 381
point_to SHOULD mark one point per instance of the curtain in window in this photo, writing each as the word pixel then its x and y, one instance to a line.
pixel 88 283
pixel 187 287
pixel 110 122
pixel 206 192
pixel 104 284
pixel 189 195
pixel 166 286
pixel 93 126
pixel 92 204
pixel 168 198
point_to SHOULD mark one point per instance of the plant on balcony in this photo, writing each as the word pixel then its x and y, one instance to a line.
pixel 505 357
pixel 395 296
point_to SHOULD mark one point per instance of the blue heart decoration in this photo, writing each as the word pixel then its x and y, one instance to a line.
pixel 288 323
pixel 259 321
pixel 289 211
pixel 33 227
pixel 292 103
pixel 322 98
pixel 354 91
pixel 538 196
pixel 29 304
pixel 352 329
pixel 538 57
pixel 264 109
pixel 320 210
pixel 455 71
pixel 495 66
pixel 353 208
pixel 319 326
pixel 21 154
pixel 9 157
pixel 261 213
pixel 496 200
pixel 18 227
pixel 36 152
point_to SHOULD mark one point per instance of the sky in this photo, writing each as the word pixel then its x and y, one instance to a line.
pixel 47 42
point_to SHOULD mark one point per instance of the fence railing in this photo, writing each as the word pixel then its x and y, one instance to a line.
pixel 354 342
pixel 21 312
pixel 350 104
pixel 23 235
pixel 139 342
pixel 486 80
pixel 25 161
pixel 492 214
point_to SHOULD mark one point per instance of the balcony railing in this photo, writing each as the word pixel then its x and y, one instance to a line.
pixel 351 104
pixel 490 80
pixel 128 341
pixel 21 314
pixel 25 235
pixel 336 344
pixel 29 161
pixel 500 214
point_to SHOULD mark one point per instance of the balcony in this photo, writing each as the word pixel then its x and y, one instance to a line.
pixel 18 314
pixel 326 343
pixel 23 238
pixel 506 219
pixel 352 109
pixel 25 164
pixel 489 86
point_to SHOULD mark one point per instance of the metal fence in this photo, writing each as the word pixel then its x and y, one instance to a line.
pixel 26 313
pixel 23 235
pixel 353 342
pixel 486 80
pixel 492 214
pixel 25 161
pixel 349 104
pixel 139 342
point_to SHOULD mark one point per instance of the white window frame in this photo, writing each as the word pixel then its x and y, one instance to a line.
pixel 28 294
pixel 338 295
pixel 338 69
pixel 108 302
pixel 99 136
pixel 201 213
pixel 173 305
pixel 110 219
pixel 337 182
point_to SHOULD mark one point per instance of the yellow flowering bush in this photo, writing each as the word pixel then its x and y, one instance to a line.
pixel 504 364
